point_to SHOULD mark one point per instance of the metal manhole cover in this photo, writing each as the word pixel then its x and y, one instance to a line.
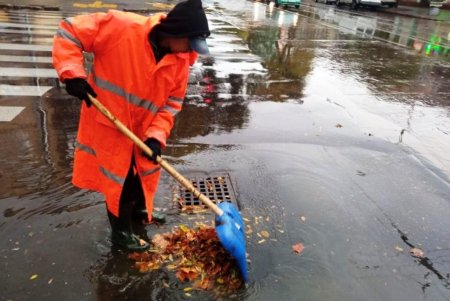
pixel 217 188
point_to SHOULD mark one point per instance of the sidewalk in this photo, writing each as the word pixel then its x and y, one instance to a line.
pixel 429 13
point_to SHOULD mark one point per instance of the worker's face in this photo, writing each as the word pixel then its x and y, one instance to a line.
pixel 178 44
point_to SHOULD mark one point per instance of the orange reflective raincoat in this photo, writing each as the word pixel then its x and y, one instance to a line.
pixel 142 94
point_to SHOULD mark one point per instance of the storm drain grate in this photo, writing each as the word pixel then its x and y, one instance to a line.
pixel 217 188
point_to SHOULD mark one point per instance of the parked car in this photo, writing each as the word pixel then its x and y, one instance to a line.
pixel 285 3
pixel 355 4
pixel 327 1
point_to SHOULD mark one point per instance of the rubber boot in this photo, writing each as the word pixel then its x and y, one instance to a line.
pixel 129 241
pixel 122 234
pixel 122 230
pixel 139 214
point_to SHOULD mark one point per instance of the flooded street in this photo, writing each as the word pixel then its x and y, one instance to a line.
pixel 333 125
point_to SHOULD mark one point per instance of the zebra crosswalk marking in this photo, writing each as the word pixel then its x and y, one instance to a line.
pixel 25 59
pixel 8 113
pixel 40 17
pixel 33 47
pixel 28 72
pixel 23 90
pixel 24 34
pixel 22 25
pixel 28 32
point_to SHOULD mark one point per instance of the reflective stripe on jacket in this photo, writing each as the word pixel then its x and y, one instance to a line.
pixel 143 95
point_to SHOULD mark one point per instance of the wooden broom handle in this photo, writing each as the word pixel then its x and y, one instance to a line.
pixel 163 163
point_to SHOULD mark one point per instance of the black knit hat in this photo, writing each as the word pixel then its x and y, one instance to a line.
pixel 186 19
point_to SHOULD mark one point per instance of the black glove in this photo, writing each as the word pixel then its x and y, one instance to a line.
pixel 155 146
pixel 80 88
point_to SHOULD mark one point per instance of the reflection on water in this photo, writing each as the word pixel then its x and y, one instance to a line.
pixel 287 62
pixel 387 70
pixel 43 145
pixel 431 39
pixel 36 162
pixel 433 43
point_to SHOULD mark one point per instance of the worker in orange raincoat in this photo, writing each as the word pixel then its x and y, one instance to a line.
pixel 140 73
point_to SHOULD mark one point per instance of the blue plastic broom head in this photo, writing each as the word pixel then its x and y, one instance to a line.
pixel 230 230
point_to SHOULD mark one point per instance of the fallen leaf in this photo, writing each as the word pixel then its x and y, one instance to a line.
pixel 190 236
pixel 210 186
pixel 186 274
pixel 265 234
pixel 400 249
pixel 184 228
pixel 204 284
pixel 416 252
pixel 298 248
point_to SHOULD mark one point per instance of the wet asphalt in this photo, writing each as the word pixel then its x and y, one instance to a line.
pixel 333 126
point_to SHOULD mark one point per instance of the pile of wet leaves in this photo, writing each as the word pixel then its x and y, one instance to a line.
pixel 195 256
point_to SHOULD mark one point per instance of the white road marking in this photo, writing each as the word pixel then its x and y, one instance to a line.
pixel 29 32
pixel 25 59
pixel 23 90
pixel 28 72
pixel 23 25
pixel 11 46
pixel 9 113
pixel 36 14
